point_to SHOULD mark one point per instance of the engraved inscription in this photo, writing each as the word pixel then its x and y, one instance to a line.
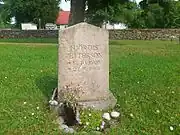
pixel 91 62
pixel 84 58
pixel 84 55
pixel 84 47
pixel 85 68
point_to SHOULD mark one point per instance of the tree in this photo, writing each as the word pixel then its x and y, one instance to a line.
pixel 172 14
pixel 132 15
pixel 31 10
pixel 98 10
pixel 161 13
pixel 4 16
pixel 77 11
pixel 149 13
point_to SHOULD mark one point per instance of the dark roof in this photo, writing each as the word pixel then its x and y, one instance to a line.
pixel 63 17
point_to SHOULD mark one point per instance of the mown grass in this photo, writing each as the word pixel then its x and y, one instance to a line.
pixel 29 40
pixel 144 77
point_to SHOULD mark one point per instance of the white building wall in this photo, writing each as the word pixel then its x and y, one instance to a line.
pixel 28 26
pixel 114 26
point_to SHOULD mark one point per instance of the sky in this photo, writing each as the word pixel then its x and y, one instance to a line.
pixel 66 5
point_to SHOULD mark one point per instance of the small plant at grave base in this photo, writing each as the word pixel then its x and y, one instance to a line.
pixel 90 119
pixel 70 94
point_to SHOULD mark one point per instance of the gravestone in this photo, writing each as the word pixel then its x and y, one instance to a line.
pixel 83 66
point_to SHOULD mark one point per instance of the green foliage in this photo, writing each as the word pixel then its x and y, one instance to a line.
pixel 160 14
pixel 172 15
pixel 153 16
pixel 101 11
pixel 131 15
pixel 31 10
pixel 1 22
pixel 148 14
pixel 98 12
pixel 4 16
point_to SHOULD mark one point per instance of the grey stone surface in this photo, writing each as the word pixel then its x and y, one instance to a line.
pixel 83 66
pixel 100 104
pixel 63 126
pixel 106 116
pixel 115 114
pixel 58 109
pixel 69 130
pixel 78 116
pixel 53 102
pixel 60 120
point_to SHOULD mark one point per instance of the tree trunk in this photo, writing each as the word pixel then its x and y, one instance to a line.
pixel 77 12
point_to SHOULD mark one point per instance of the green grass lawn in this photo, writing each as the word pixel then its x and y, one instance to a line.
pixel 144 77
pixel 29 40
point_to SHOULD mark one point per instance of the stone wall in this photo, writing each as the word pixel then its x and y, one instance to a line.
pixel 130 34
pixel 144 34
pixel 28 34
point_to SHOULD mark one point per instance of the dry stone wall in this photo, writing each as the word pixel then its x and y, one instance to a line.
pixel 28 34
pixel 130 34
pixel 144 34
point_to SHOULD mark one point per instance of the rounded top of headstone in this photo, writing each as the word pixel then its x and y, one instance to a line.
pixel 83 25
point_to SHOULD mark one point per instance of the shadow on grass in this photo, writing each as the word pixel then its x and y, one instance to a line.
pixel 46 84
pixel 116 42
